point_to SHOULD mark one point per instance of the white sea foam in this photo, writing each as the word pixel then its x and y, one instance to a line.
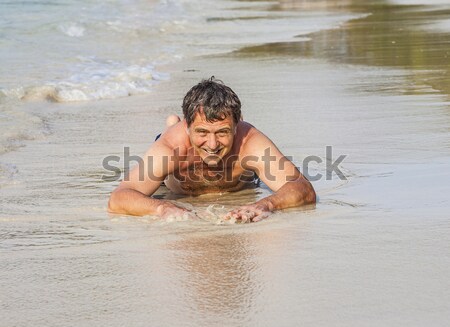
pixel 95 80
pixel 88 51
pixel 73 30
pixel 112 49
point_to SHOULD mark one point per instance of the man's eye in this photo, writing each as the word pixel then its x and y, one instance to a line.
pixel 201 133
pixel 223 133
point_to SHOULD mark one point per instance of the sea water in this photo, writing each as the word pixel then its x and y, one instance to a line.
pixel 81 81
pixel 85 50
pixel 70 51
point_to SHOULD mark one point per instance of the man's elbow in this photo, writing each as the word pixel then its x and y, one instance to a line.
pixel 113 203
pixel 301 192
pixel 309 195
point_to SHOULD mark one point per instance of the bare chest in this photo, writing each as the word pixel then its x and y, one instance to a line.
pixel 200 179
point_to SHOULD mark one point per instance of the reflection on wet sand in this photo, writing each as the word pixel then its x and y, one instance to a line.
pixel 225 273
pixel 389 36
pixel 220 273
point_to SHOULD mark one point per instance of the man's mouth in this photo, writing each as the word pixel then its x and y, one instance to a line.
pixel 211 152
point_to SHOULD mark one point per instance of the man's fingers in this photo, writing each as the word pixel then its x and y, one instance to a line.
pixel 261 217
pixel 232 214
pixel 247 214
pixel 243 215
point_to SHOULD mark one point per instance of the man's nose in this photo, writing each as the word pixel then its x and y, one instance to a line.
pixel 212 141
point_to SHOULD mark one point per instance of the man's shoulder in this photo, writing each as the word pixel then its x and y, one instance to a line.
pixel 252 137
pixel 246 132
pixel 175 138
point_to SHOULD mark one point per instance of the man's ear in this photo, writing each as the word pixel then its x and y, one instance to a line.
pixel 186 127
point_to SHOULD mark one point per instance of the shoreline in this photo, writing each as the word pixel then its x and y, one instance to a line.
pixel 27 111
pixel 370 253
pixel 243 72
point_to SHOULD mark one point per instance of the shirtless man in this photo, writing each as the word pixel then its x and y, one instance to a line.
pixel 211 150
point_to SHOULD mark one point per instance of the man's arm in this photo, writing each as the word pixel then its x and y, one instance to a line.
pixel 290 187
pixel 133 195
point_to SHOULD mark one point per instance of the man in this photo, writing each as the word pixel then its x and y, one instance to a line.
pixel 211 150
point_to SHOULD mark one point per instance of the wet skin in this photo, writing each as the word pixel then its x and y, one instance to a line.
pixel 206 157
pixel 212 164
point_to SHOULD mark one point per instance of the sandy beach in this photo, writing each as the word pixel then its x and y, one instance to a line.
pixel 371 82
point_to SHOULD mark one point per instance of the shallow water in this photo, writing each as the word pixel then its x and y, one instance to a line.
pixel 374 251
pixel 411 36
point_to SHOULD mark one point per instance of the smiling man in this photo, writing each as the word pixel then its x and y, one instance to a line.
pixel 212 150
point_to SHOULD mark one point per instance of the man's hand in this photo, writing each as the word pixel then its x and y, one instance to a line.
pixel 168 210
pixel 249 213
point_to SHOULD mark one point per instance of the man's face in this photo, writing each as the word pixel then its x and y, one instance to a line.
pixel 212 140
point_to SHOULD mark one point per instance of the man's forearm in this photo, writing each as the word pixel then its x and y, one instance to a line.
pixel 292 194
pixel 131 202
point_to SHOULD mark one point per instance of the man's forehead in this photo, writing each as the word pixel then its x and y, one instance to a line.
pixel 200 120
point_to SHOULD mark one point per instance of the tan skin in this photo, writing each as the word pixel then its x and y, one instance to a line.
pixel 208 157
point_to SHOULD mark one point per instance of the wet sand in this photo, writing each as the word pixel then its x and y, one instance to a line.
pixel 374 251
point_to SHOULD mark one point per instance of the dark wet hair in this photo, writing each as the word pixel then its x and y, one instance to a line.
pixel 212 98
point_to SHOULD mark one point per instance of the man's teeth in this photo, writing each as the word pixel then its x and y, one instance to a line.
pixel 212 152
